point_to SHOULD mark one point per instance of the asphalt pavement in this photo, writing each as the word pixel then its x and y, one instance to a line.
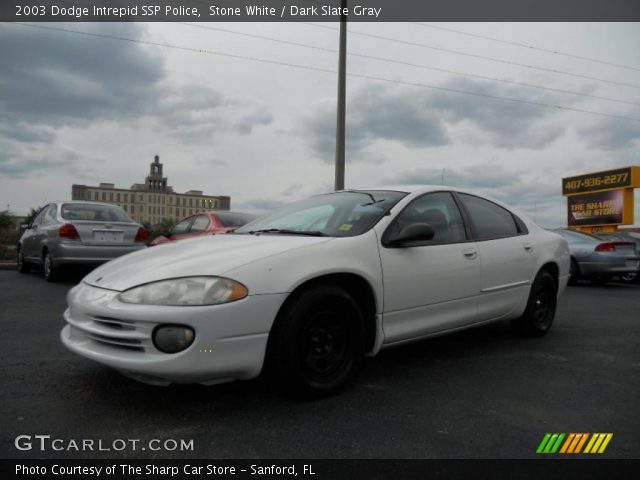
pixel 482 393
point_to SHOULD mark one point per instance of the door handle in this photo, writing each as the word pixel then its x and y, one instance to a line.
pixel 528 247
pixel 470 253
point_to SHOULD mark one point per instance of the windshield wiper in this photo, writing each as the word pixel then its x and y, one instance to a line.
pixel 311 233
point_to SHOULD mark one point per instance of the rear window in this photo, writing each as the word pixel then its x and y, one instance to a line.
pixel 491 220
pixel 233 219
pixel 94 212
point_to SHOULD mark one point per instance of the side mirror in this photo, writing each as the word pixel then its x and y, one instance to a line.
pixel 411 235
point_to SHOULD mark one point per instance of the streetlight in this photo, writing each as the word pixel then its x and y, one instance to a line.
pixel 341 110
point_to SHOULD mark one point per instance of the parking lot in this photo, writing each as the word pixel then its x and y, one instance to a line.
pixel 483 393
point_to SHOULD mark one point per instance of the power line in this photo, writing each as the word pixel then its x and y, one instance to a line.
pixel 318 69
pixel 507 42
pixel 482 57
pixel 410 64
pixel 524 45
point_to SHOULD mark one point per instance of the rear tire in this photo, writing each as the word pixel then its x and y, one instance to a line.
pixel 600 280
pixel 51 272
pixel 574 272
pixel 541 307
pixel 631 277
pixel 317 344
pixel 23 266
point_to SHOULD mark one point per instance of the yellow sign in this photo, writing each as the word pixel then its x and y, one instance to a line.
pixel 628 177
pixel 599 201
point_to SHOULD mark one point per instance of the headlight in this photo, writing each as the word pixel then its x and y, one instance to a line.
pixel 186 291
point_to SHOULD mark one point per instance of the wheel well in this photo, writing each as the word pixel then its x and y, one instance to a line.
pixel 357 287
pixel 553 269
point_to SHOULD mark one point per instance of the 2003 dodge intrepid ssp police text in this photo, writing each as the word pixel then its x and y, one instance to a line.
pixel 305 292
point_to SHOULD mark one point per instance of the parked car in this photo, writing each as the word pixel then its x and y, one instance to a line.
pixel 77 232
pixel 306 291
pixel 204 223
pixel 629 277
pixel 599 260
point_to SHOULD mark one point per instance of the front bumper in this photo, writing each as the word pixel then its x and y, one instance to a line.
pixel 230 340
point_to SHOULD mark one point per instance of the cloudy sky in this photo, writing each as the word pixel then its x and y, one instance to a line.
pixel 90 109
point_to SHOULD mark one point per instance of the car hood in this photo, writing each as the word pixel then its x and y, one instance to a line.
pixel 209 255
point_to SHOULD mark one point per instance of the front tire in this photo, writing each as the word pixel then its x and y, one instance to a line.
pixel 541 307
pixel 317 343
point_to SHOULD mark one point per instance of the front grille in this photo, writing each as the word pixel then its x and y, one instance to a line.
pixel 110 332
pixel 115 323
pixel 123 343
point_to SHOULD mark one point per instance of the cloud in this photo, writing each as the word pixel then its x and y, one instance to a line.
pixel 56 78
pixel 50 80
pixel 487 176
pixel 422 118
pixel 30 162
pixel 246 123
pixel 612 134
pixel 535 196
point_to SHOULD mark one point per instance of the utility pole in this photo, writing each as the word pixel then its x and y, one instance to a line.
pixel 341 110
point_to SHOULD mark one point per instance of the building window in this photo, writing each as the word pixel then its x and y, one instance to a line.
pixel 104 196
pixel 117 197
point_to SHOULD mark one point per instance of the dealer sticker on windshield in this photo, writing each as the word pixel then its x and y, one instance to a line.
pixel 345 227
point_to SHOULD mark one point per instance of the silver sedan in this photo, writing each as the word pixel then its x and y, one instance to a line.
pixel 77 232
pixel 599 260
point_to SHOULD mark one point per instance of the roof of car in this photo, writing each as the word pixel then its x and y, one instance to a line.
pixel 81 202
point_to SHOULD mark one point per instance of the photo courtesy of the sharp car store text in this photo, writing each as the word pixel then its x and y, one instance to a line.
pixel 323 239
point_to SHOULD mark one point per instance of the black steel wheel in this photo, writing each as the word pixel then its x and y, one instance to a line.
pixel 317 343
pixel 541 307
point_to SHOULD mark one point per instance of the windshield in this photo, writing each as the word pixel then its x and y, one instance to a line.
pixel 234 219
pixel 341 214
pixel 94 211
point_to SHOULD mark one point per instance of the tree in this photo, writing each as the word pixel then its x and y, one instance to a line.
pixel 7 221
pixel 159 229
pixel 7 225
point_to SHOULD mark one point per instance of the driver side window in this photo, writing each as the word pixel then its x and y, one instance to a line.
pixel 182 227
pixel 38 220
pixel 440 212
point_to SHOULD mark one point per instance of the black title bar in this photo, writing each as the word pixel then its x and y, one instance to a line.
pixel 319 10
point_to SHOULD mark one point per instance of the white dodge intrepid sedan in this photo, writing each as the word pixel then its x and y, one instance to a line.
pixel 307 291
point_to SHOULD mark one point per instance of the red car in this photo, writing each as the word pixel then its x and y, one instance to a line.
pixel 204 223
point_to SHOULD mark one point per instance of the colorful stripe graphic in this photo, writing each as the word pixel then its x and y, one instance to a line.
pixel 574 442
